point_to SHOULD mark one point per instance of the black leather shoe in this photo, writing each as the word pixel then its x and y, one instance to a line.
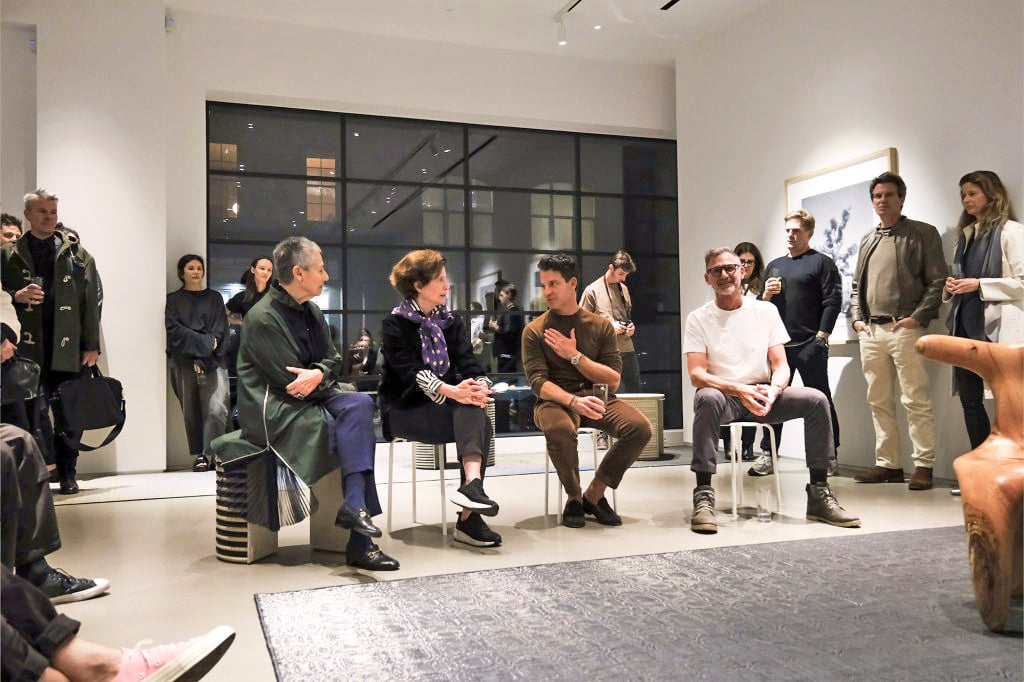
pixel 373 560
pixel 572 515
pixel 603 511
pixel 357 521
pixel 68 486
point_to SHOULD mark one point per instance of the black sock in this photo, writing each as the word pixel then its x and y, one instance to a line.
pixel 358 544
pixel 819 476
pixel 35 571
pixel 703 478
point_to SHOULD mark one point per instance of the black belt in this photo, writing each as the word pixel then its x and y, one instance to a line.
pixel 884 319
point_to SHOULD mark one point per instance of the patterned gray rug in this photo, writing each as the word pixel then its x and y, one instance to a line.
pixel 883 606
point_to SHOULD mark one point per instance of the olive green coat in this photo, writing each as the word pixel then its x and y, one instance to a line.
pixel 77 294
pixel 295 430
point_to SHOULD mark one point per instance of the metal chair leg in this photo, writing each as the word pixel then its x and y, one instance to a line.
pixel 775 469
pixel 736 449
pixel 440 456
pixel 391 480
pixel 412 451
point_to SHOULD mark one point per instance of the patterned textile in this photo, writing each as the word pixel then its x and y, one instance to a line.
pixel 432 324
pixel 860 606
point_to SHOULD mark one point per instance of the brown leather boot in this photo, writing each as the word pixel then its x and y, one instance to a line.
pixel 922 479
pixel 879 474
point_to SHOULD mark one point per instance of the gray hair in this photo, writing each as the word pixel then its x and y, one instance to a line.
pixel 38 195
pixel 291 252
pixel 712 254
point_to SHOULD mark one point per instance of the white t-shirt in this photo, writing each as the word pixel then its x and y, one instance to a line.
pixel 736 341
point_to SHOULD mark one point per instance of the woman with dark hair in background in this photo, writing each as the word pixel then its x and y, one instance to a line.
pixel 196 328
pixel 752 281
pixel 752 265
pixel 256 280
pixel 433 389
pixel 361 361
pixel 508 328
pixel 987 286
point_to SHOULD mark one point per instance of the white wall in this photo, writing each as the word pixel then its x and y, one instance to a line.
pixel 17 116
pixel 101 149
pixel 803 84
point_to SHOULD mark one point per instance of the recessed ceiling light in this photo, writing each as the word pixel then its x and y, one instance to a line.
pixel 597 27
pixel 355 134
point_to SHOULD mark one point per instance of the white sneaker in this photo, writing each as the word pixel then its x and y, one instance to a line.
pixel 762 466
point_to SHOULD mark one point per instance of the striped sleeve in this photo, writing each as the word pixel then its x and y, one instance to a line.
pixel 429 383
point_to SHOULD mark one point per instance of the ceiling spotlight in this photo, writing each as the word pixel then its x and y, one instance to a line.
pixel 561 34
pixel 597 27
pixel 355 134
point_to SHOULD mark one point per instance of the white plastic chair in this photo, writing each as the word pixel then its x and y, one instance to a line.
pixel 439 456
pixel 736 448
pixel 582 431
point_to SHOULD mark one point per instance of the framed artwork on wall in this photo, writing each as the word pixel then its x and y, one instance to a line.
pixel 840 200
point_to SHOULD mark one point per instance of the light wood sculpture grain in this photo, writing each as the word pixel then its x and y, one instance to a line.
pixel 992 476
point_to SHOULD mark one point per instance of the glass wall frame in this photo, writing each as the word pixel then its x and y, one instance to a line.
pixel 492 199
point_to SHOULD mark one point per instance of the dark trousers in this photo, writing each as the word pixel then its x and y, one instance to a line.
pixel 353 442
pixel 32 630
pixel 450 422
pixel 971 388
pixel 811 360
pixel 63 456
pixel 622 421
pixel 712 409
pixel 28 519
pixel 629 381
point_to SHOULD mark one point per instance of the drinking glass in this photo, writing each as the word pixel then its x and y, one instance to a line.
pixel 764 505
pixel 957 271
pixel 601 391
pixel 38 281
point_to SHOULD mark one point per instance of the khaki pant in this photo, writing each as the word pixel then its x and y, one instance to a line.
pixel 887 355
pixel 622 421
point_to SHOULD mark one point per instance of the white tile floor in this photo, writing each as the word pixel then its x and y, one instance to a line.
pixel 167 584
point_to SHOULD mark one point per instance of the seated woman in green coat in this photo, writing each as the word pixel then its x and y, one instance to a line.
pixel 290 398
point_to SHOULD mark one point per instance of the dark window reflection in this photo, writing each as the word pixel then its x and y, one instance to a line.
pixel 272 140
pixel 270 209
pixel 624 166
pixel 500 157
pixel 671 384
pixel 636 224
pixel 401 214
pixel 521 220
pixel 411 151
pixel 367 278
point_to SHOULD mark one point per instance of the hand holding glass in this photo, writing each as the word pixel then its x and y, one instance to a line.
pixel 601 391
pixel 38 281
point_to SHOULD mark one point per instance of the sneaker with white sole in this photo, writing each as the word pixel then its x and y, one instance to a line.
pixel 762 466
pixel 63 588
pixel 184 661
pixel 472 496
pixel 473 531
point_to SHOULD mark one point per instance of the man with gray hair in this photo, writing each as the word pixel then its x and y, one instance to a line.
pixel 736 357
pixel 292 403
pixel 57 293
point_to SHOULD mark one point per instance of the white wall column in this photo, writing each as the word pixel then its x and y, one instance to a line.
pixel 102 149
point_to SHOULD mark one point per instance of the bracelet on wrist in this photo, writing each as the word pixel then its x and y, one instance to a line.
pixel 572 403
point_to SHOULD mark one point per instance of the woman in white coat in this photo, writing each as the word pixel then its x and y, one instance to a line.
pixel 987 289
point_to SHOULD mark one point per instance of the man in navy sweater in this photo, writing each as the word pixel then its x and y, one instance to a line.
pixel 806 288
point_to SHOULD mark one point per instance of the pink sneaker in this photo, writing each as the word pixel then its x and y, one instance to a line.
pixel 184 661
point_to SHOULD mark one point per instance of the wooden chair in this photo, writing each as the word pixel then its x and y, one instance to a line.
pixel 992 476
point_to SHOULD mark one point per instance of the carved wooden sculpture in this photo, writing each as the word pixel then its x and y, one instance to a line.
pixel 992 476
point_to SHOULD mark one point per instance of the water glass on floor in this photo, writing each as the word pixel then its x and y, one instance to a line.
pixel 764 505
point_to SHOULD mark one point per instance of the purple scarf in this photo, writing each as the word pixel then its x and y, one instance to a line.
pixel 433 347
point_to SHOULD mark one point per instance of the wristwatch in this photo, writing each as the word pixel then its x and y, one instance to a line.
pixel 575 360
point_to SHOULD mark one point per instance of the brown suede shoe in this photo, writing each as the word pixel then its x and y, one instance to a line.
pixel 879 474
pixel 922 479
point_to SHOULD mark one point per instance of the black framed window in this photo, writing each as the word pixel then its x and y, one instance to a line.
pixel 492 199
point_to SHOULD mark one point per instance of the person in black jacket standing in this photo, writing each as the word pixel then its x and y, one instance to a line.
pixel 433 390
pixel 196 329
pixel 806 288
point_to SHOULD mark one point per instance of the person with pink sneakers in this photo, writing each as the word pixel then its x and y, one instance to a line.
pixel 41 644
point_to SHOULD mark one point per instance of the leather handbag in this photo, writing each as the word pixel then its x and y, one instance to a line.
pixel 89 401
pixel 19 380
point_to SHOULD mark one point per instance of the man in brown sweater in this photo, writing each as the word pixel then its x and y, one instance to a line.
pixel 565 352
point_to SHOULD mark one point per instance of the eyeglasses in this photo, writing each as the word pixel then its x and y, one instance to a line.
pixel 727 269
pixel 746 263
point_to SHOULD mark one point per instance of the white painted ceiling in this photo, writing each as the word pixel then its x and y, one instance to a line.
pixel 634 31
